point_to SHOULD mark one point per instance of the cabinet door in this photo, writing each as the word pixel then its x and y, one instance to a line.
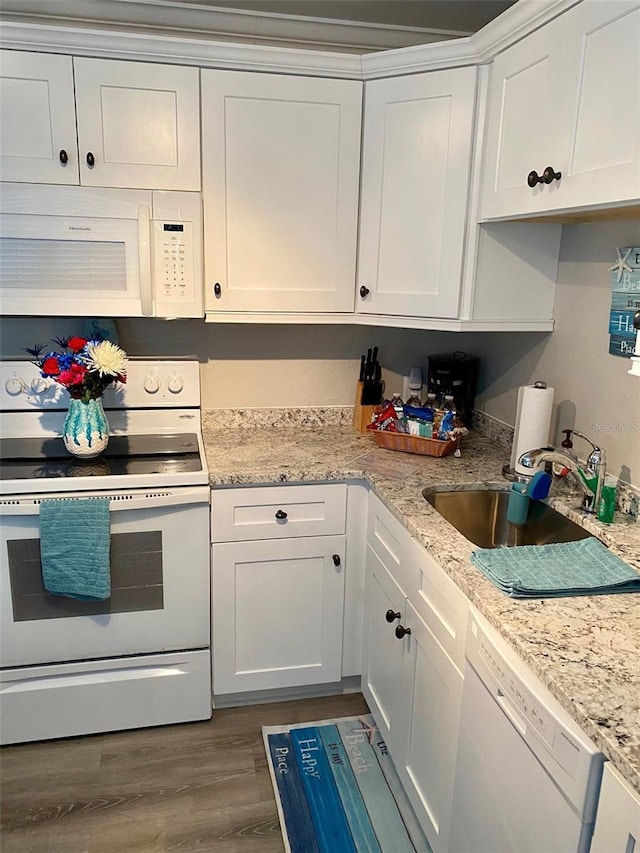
pixel 38 127
pixel 618 818
pixel 432 698
pixel 527 123
pixel 415 184
pixel 281 171
pixel 382 666
pixel 602 62
pixel 277 613
pixel 139 123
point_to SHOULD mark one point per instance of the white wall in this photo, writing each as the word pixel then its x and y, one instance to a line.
pixel 258 366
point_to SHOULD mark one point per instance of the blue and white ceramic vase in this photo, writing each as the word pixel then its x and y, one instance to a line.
pixel 85 431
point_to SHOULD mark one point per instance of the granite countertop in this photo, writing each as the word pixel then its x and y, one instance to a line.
pixel 586 649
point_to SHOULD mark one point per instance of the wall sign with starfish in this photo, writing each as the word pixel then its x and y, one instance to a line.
pixel 625 302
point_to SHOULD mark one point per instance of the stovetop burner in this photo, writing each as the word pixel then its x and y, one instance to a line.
pixel 46 457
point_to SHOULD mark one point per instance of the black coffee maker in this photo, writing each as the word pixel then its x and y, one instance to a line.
pixel 454 374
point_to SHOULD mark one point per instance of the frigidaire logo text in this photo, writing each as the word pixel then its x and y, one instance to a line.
pixel 79 228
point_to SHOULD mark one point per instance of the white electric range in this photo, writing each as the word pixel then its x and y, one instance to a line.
pixel 142 657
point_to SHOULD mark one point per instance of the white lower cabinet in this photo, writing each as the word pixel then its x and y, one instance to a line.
pixel 279 576
pixel 618 819
pixel 412 685
pixel 277 613
pixel 431 698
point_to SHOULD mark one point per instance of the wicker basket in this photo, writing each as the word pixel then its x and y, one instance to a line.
pixel 413 443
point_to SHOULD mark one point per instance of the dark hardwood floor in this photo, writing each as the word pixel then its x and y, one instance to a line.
pixel 195 786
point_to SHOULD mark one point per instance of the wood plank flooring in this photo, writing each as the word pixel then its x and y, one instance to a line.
pixel 196 786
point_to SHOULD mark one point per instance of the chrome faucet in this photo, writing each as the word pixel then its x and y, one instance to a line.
pixel 596 467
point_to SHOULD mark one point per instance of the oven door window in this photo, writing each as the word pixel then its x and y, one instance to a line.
pixel 136 580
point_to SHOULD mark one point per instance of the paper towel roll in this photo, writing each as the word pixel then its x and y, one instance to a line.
pixel 533 421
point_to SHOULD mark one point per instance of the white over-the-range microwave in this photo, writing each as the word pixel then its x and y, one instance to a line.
pixel 92 252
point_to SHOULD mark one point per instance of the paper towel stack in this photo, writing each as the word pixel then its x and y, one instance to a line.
pixel 533 422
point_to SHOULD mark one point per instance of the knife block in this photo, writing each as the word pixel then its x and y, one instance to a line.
pixel 361 414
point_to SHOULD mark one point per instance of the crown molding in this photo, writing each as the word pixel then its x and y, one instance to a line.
pixel 197 20
pixel 514 24
pixel 276 53
pixel 45 38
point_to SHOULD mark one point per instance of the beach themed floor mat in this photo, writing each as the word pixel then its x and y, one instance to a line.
pixel 337 789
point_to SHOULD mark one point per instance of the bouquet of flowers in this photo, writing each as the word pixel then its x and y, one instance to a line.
pixel 85 367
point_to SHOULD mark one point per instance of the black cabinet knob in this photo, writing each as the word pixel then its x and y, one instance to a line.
pixel 547 177
pixel 336 559
pixel 364 291
pixel 281 515
pixel 64 157
pixel 391 615
pixel 550 175
pixel 401 631
pixel 91 160
pixel 217 289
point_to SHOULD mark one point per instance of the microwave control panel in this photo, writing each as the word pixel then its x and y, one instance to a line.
pixel 173 261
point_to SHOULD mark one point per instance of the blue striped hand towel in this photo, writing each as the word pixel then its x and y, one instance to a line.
pixel 75 540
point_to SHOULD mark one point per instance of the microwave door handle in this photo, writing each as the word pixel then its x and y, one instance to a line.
pixel 144 259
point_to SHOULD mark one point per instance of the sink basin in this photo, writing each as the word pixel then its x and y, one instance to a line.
pixel 481 516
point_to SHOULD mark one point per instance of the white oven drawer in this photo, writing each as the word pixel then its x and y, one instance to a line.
pixel 62 700
pixel 278 512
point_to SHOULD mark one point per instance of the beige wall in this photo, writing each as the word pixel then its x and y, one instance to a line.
pixel 257 366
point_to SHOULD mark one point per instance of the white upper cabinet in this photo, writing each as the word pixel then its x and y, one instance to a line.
pixel 38 127
pixel 564 104
pixel 137 123
pixel 281 162
pixel 418 134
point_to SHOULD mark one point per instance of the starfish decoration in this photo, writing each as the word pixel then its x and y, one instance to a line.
pixel 621 264
pixel 369 729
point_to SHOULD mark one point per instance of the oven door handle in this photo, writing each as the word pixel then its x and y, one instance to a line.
pixel 179 497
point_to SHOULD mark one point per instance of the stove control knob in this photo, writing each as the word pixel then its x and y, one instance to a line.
pixel 40 385
pixel 151 384
pixel 175 384
pixel 14 386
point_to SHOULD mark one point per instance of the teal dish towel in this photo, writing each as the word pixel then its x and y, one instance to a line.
pixel 75 540
pixel 586 567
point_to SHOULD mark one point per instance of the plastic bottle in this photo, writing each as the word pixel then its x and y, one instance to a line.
pixel 398 405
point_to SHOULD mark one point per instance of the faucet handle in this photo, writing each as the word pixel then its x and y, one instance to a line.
pixel 588 440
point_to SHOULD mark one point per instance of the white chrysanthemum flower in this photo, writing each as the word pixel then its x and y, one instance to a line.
pixel 106 358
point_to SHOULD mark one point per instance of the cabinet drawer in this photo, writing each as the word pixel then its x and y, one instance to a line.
pixel 278 512
pixel 389 541
pixel 439 602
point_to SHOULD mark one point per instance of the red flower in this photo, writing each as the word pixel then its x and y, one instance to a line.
pixel 50 366
pixel 73 376
pixel 76 344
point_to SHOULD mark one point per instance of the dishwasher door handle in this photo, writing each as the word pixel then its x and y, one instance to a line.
pixel 511 711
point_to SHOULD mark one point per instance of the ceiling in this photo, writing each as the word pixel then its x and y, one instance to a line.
pixel 458 15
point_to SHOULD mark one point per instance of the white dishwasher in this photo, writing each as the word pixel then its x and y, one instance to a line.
pixel 527 777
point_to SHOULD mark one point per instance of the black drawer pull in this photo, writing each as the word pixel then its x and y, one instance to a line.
pixel 391 616
pixel 217 290
pixel 64 157
pixel 401 631
pixel 547 177
pixel 364 291
pixel 336 559
pixel 91 160
pixel 281 515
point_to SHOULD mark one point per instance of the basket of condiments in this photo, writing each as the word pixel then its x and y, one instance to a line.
pixel 430 430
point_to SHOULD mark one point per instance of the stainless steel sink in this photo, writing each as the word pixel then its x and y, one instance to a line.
pixel 481 516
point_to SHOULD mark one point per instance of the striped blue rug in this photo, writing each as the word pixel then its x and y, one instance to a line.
pixel 337 789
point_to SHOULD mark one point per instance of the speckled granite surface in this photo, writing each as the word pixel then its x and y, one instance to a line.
pixel 585 649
